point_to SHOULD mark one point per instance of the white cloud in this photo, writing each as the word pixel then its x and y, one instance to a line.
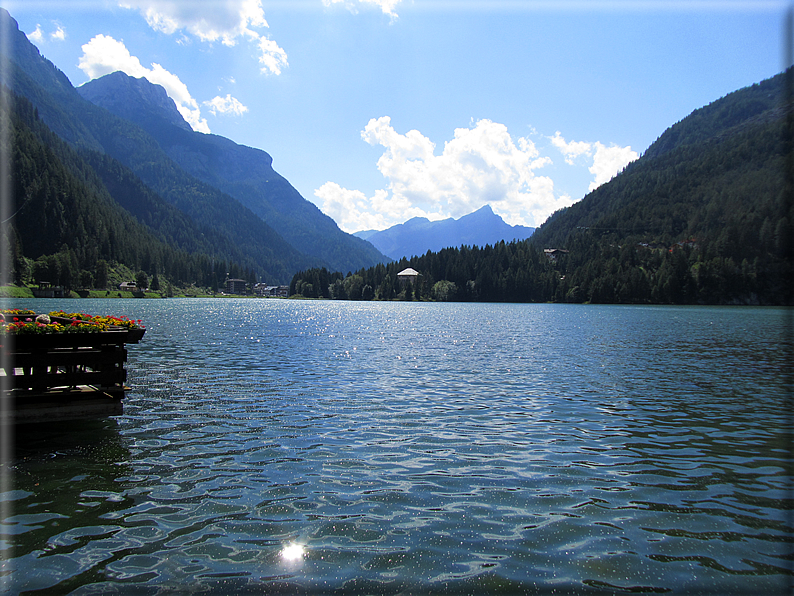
pixel 226 105
pixel 353 211
pixel 37 36
pixel 212 21
pixel 480 165
pixel 607 161
pixel 103 55
pixel 272 57
pixel 386 6
pixel 570 150
pixel 59 34
pixel 209 21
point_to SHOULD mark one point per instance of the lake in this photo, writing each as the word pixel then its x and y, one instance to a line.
pixel 279 446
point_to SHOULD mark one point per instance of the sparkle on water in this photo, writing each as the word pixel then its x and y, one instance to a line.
pixel 292 552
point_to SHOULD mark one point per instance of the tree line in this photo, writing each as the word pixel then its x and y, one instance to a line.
pixel 594 269
pixel 514 272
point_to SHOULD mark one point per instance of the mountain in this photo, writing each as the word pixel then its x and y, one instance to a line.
pixel 721 170
pixel 241 172
pixel 705 216
pixel 136 100
pixel 418 235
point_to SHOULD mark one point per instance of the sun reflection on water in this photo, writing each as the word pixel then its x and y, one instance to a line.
pixel 292 553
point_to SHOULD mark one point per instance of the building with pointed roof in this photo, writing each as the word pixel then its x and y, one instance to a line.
pixel 407 275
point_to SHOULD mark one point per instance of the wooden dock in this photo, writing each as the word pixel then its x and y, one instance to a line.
pixel 64 376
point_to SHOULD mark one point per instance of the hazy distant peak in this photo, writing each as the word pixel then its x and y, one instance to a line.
pixel 418 235
pixel 125 95
pixel 484 210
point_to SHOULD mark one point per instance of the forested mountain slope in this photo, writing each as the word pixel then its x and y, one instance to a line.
pixel 69 229
pixel 705 175
pixel 703 216
pixel 758 104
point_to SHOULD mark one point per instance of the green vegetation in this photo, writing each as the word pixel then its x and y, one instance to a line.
pixel 703 217
pixel 15 292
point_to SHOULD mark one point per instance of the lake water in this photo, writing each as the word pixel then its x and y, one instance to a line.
pixel 274 446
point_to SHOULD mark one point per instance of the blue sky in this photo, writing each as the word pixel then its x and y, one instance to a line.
pixel 382 110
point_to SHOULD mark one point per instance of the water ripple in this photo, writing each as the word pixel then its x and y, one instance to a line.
pixel 412 448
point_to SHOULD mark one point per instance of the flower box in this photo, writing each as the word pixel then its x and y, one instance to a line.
pixel 63 365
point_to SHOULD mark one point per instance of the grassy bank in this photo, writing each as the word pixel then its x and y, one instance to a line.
pixel 119 294
pixel 15 292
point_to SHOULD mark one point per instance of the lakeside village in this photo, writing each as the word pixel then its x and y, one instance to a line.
pixel 232 288
pixel 132 289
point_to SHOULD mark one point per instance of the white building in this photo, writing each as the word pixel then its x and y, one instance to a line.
pixel 408 275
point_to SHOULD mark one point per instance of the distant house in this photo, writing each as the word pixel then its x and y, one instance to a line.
pixel 128 286
pixel 407 275
pixel 267 291
pixel 553 253
pixel 652 245
pixel 235 286
pixel 47 290
pixel 691 243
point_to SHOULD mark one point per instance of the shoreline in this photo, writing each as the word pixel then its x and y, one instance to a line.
pixel 25 292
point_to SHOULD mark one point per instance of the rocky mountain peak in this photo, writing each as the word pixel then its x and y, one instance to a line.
pixel 125 95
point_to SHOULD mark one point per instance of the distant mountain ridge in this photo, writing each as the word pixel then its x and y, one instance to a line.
pixel 244 173
pixel 418 235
